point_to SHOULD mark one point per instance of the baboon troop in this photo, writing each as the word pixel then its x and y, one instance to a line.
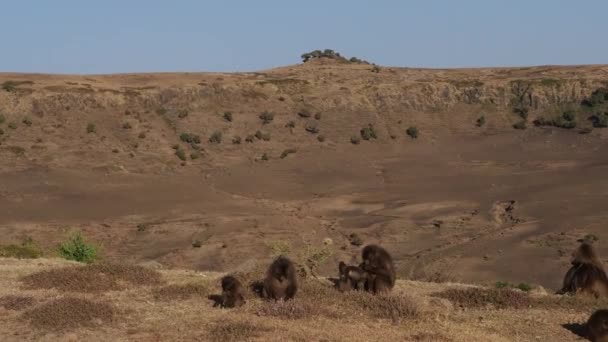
pixel 586 275
pixel 281 280
pixel 597 326
pixel 375 274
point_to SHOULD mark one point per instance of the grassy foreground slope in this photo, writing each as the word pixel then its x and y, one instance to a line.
pixel 50 299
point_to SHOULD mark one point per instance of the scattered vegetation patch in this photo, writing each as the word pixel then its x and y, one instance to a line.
pixel 262 136
pixel 412 132
pixel 93 278
pixel 279 247
pixel 368 132
pixel 520 125
pixel 521 286
pixel 232 331
pixel 480 121
pixel 142 135
pixel 11 86
pixel 304 113
pixel 236 140
pixel 26 250
pixel 181 154
pixel 355 140
pixel 27 121
pixel 264 157
pixel 195 155
pixel 190 138
pixel 68 313
pixel 321 138
pixel 182 114
pixel 91 128
pixel 597 98
pixel 161 111
pixel 290 124
pixel 227 116
pixel 216 137
pixel 478 298
pixel 183 292
pixel 287 152
pixel 77 249
pixel 386 306
pixel 16 303
pixel 375 69
pixel 250 138
pixel 266 117
pixel 126 125
pixel 318 116
pixel 2 119
pixel 567 120
pixel 327 53
pixel 355 239
pixel 291 309
pixel 600 120
pixel 312 128
pixel 12 125
pixel 522 111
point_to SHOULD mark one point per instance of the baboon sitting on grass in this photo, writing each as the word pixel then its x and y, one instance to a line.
pixel 281 280
pixel 232 293
pixel 378 263
pixel 597 326
pixel 587 273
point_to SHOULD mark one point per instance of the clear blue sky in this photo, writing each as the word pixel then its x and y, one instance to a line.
pixel 109 36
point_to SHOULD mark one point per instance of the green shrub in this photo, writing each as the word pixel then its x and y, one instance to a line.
pixel 126 125
pixel 2 119
pixel 190 138
pixel 236 140
pixel 520 125
pixel 481 121
pixel 412 132
pixel 355 140
pixel 12 125
pixel 266 117
pixel 27 121
pixel 566 120
pixel 91 128
pixel 195 155
pixel 77 249
pixel 502 284
pixel 569 115
pixel 9 86
pixel 227 116
pixel 524 287
pixel 288 152
pixel 522 111
pixel 368 132
pixel 181 154
pixel 182 114
pixel 216 137
pixel 598 97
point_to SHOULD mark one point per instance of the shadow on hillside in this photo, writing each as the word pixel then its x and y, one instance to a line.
pixel 579 330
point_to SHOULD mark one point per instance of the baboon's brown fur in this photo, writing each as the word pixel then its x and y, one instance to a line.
pixel 597 326
pixel 378 263
pixel 351 278
pixel 232 292
pixel 281 280
pixel 587 273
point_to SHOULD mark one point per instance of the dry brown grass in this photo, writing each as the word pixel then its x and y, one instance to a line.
pixel 235 331
pixel 68 313
pixel 182 291
pixel 291 309
pixel 430 336
pixel 92 278
pixel 388 306
pixel 480 298
pixel 16 303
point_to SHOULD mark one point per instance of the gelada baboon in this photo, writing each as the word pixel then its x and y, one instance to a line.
pixel 587 274
pixel 377 262
pixel 232 292
pixel 281 280
pixel 597 326
pixel 351 278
